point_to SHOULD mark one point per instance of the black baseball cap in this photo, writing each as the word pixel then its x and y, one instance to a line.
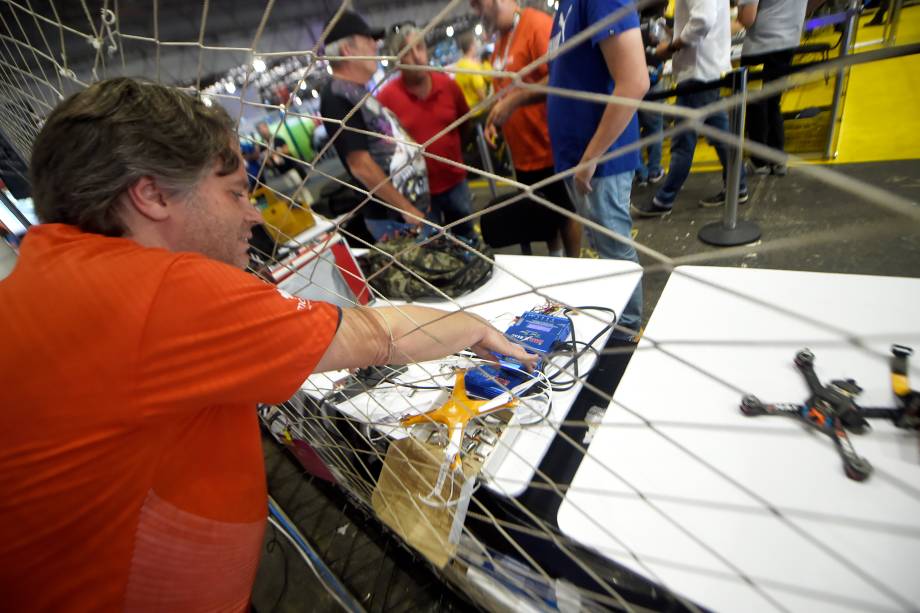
pixel 349 24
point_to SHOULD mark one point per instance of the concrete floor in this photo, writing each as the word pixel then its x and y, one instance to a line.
pixel 806 226
pixel 381 574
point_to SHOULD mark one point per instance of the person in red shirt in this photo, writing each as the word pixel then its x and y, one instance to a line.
pixel 135 351
pixel 426 103
pixel 523 38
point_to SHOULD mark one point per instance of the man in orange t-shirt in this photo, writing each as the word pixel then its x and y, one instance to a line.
pixel 523 38
pixel 135 351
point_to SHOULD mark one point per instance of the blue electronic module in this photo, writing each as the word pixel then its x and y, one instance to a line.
pixel 536 332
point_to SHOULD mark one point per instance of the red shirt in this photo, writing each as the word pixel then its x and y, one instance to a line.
pixel 131 466
pixel 423 118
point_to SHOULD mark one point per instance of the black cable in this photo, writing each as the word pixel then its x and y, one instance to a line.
pixel 573 345
pixel 270 547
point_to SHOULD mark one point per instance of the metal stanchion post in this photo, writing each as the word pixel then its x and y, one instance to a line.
pixel 730 232
pixel 891 27
pixel 846 45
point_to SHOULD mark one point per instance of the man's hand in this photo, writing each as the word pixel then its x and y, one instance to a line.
pixel 413 221
pixel 663 50
pixel 495 342
pixel 583 177
pixel 501 112
pixel 361 165
pixel 491 135
pixel 498 117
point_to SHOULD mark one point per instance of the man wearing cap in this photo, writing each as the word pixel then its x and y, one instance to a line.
pixel 391 164
pixel 426 103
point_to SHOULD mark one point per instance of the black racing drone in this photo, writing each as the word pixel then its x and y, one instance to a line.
pixel 831 409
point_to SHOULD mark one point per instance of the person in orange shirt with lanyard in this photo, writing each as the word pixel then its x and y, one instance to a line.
pixel 523 37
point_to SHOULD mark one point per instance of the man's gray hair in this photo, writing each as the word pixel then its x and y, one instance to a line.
pixel 401 37
pixel 98 142
pixel 335 48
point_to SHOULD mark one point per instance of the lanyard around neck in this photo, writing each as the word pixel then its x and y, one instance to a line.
pixel 516 21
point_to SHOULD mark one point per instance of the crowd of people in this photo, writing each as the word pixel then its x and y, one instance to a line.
pixel 590 145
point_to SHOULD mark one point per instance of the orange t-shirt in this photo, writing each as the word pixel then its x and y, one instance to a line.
pixel 526 130
pixel 131 471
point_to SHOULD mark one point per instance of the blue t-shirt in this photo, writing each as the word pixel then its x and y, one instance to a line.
pixel 572 122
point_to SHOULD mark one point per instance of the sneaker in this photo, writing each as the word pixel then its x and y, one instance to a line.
pixel 719 200
pixel 640 182
pixel 760 170
pixel 656 177
pixel 655 208
pixel 780 170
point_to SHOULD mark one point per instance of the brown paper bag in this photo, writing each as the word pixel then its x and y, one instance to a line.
pixel 409 474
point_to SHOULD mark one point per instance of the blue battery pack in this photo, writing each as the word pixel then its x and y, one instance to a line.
pixel 536 332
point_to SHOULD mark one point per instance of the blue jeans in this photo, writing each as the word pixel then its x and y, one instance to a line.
pixel 650 123
pixel 608 205
pixel 683 145
pixel 452 205
pixel 385 229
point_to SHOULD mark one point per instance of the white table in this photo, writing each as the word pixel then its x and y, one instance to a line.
pixel 711 475
pixel 510 292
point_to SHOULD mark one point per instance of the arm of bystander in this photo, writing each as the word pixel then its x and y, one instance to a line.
pixel 625 59
pixel 365 169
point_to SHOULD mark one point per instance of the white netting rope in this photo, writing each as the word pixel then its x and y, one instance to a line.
pixel 23 76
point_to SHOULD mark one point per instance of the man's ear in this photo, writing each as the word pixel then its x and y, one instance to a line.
pixel 348 46
pixel 145 197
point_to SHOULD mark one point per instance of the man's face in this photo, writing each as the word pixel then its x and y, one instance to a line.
pixel 263 130
pixel 488 11
pixel 417 55
pixel 218 218
pixel 364 46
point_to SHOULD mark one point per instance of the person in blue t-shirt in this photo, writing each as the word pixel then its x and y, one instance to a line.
pixel 611 61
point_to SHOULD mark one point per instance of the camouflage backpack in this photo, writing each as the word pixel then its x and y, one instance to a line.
pixel 424 269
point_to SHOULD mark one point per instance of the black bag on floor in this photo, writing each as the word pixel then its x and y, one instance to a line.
pixel 425 269
pixel 524 221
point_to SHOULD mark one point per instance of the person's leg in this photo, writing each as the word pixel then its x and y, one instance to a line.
pixel 879 17
pixel 571 238
pixel 776 67
pixel 570 230
pixel 643 169
pixel 683 144
pixel 608 205
pixel 455 204
pixel 536 221
pixel 655 127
